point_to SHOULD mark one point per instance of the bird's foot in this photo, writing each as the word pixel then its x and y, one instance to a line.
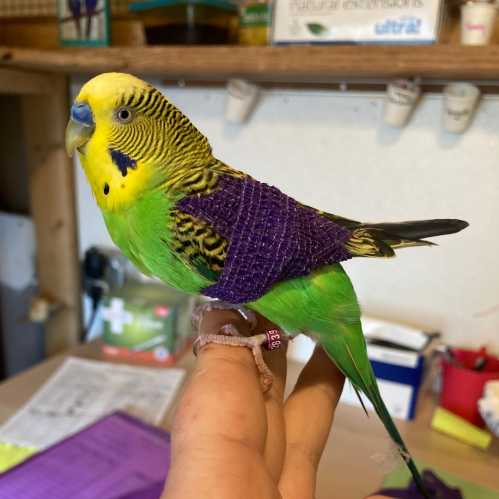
pixel 247 314
pixel 230 336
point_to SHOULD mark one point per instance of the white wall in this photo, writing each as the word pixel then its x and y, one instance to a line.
pixel 329 150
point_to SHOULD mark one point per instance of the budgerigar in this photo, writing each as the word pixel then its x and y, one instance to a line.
pixel 182 215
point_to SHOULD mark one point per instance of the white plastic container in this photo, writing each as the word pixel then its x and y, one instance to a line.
pixel 241 99
pixel 488 406
pixel 460 101
pixel 477 22
pixel 401 99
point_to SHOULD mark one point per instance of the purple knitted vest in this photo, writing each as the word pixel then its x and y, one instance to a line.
pixel 271 237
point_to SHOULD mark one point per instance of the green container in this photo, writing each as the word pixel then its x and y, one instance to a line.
pixel 146 322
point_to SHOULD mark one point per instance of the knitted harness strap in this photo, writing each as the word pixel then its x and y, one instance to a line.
pixel 271 237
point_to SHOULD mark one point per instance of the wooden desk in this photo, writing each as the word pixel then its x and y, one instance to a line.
pixel 348 470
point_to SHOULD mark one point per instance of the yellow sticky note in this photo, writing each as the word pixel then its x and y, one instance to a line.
pixel 10 455
pixel 455 426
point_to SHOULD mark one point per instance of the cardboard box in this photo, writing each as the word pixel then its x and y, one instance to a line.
pixel 356 21
pixel 147 323
pixel 399 376
pixel 398 355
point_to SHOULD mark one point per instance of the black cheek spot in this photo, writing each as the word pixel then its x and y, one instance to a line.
pixel 122 161
pixel 106 188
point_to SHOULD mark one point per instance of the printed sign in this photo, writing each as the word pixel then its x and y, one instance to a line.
pixel 84 22
pixel 357 21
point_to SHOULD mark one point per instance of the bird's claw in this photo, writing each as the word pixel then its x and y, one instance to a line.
pixel 230 336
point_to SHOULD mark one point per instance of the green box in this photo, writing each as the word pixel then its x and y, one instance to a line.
pixel 147 323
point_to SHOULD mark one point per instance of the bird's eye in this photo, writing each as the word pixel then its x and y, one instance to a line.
pixel 124 115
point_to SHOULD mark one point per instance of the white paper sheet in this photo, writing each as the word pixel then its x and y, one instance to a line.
pixel 81 391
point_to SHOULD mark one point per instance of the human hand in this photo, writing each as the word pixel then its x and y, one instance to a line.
pixel 230 440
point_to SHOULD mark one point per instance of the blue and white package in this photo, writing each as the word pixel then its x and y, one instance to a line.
pixel 357 21
pixel 398 354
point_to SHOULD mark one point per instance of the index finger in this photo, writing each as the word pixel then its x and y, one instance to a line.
pixel 309 413
pixel 220 427
pixel 223 398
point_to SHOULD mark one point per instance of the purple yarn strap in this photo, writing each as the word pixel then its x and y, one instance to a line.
pixel 435 487
pixel 271 237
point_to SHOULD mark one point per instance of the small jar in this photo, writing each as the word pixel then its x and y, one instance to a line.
pixel 478 20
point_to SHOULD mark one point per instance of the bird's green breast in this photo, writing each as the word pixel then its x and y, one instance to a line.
pixel 142 233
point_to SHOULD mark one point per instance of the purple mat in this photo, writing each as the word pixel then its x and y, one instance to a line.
pixel 116 457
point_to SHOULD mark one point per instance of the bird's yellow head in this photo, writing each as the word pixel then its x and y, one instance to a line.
pixel 130 138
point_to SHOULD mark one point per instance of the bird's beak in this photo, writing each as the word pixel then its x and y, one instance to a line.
pixel 80 127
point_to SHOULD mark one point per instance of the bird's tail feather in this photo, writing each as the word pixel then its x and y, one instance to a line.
pixel 421 229
pixel 384 415
pixel 360 373
pixel 383 238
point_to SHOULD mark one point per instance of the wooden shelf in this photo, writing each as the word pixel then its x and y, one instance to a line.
pixel 291 64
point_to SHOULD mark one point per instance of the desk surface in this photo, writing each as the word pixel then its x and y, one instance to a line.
pixel 349 469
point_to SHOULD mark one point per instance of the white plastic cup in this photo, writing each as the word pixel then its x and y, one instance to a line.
pixel 460 101
pixel 477 22
pixel 241 99
pixel 401 99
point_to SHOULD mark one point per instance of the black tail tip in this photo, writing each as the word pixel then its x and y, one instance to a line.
pixel 460 225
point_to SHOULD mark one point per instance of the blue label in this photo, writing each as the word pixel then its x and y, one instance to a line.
pixel 401 26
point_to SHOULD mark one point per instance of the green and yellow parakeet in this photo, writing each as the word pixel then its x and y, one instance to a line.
pixel 182 215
